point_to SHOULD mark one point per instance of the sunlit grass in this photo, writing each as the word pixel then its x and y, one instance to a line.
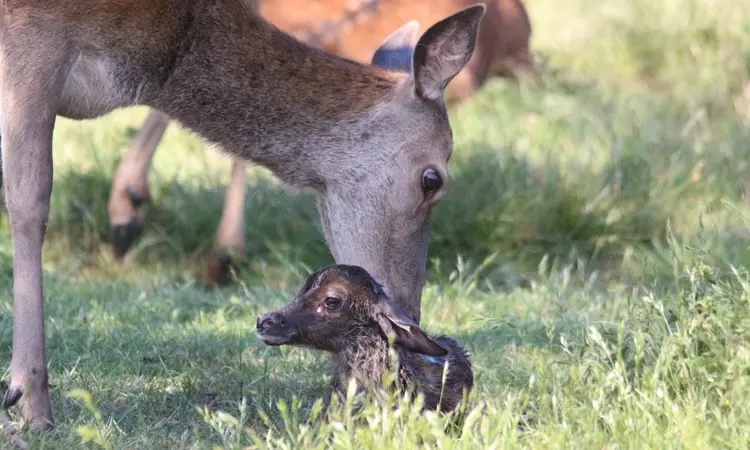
pixel 590 254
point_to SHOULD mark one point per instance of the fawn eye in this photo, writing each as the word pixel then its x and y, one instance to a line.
pixel 431 181
pixel 333 303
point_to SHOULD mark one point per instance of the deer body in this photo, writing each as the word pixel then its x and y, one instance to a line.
pixel 354 30
pixel 349 29
pixel 314 119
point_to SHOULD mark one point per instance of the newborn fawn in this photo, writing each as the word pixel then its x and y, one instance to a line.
pixel 341 309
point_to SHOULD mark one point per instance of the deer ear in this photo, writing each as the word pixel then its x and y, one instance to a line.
pixel 401 329
pixel 444 50
pixel 396 51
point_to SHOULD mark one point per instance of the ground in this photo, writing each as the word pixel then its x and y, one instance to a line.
pixel 590 254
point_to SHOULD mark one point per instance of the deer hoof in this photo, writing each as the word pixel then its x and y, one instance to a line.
pixel 217 268
pixel 123 236
pixel 11 397
pixel 136 198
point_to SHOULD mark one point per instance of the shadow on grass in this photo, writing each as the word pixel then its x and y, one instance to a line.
pixel 151 358
pixel 504 198
pixel 499 202
pixel 181 222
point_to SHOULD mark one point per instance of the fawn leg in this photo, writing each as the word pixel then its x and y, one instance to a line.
pixel 230 235
pixel 130 184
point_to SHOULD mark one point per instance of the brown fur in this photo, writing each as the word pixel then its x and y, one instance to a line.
pixel 316 120
pixel 351 29
pixel 341 309
pixel 354 29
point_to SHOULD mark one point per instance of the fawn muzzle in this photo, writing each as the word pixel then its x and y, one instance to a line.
pixel 274 330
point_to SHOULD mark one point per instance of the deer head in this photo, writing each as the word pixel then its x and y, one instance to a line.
pixel 378 197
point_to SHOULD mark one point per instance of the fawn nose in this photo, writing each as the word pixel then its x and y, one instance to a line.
pixel 268 321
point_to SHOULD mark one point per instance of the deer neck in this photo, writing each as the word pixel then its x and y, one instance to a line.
pixel 264 96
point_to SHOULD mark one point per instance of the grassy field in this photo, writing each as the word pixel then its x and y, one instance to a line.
pixel 591 254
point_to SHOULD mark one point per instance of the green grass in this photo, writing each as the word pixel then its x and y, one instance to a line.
pixel 591 255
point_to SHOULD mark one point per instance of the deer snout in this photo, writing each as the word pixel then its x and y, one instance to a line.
pixel 268 321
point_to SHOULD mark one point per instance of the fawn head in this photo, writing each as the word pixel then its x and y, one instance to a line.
pixel 338 306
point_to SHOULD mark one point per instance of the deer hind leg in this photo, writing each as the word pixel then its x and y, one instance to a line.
pixel 517 66
pixel 32 77
pixel 130 184
pixel 461 88
pixel 230 235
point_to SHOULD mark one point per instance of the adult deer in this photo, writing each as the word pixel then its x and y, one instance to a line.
pixel 373 142
pixel 353 32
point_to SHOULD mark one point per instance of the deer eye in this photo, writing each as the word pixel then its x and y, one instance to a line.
pixel 333 303
pixel 431 181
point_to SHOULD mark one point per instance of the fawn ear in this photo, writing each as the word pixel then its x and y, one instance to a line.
pixel 396 51
pixel 444 50
pixel 403 331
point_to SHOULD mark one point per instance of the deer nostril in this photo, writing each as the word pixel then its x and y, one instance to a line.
pixel 267 321
pixel 264 323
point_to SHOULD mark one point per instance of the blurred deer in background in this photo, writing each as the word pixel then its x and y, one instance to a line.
pixel 353 30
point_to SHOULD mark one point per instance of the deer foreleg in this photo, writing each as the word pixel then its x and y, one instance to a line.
pixel 130 184
pixel 230 235
pixel 32 78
